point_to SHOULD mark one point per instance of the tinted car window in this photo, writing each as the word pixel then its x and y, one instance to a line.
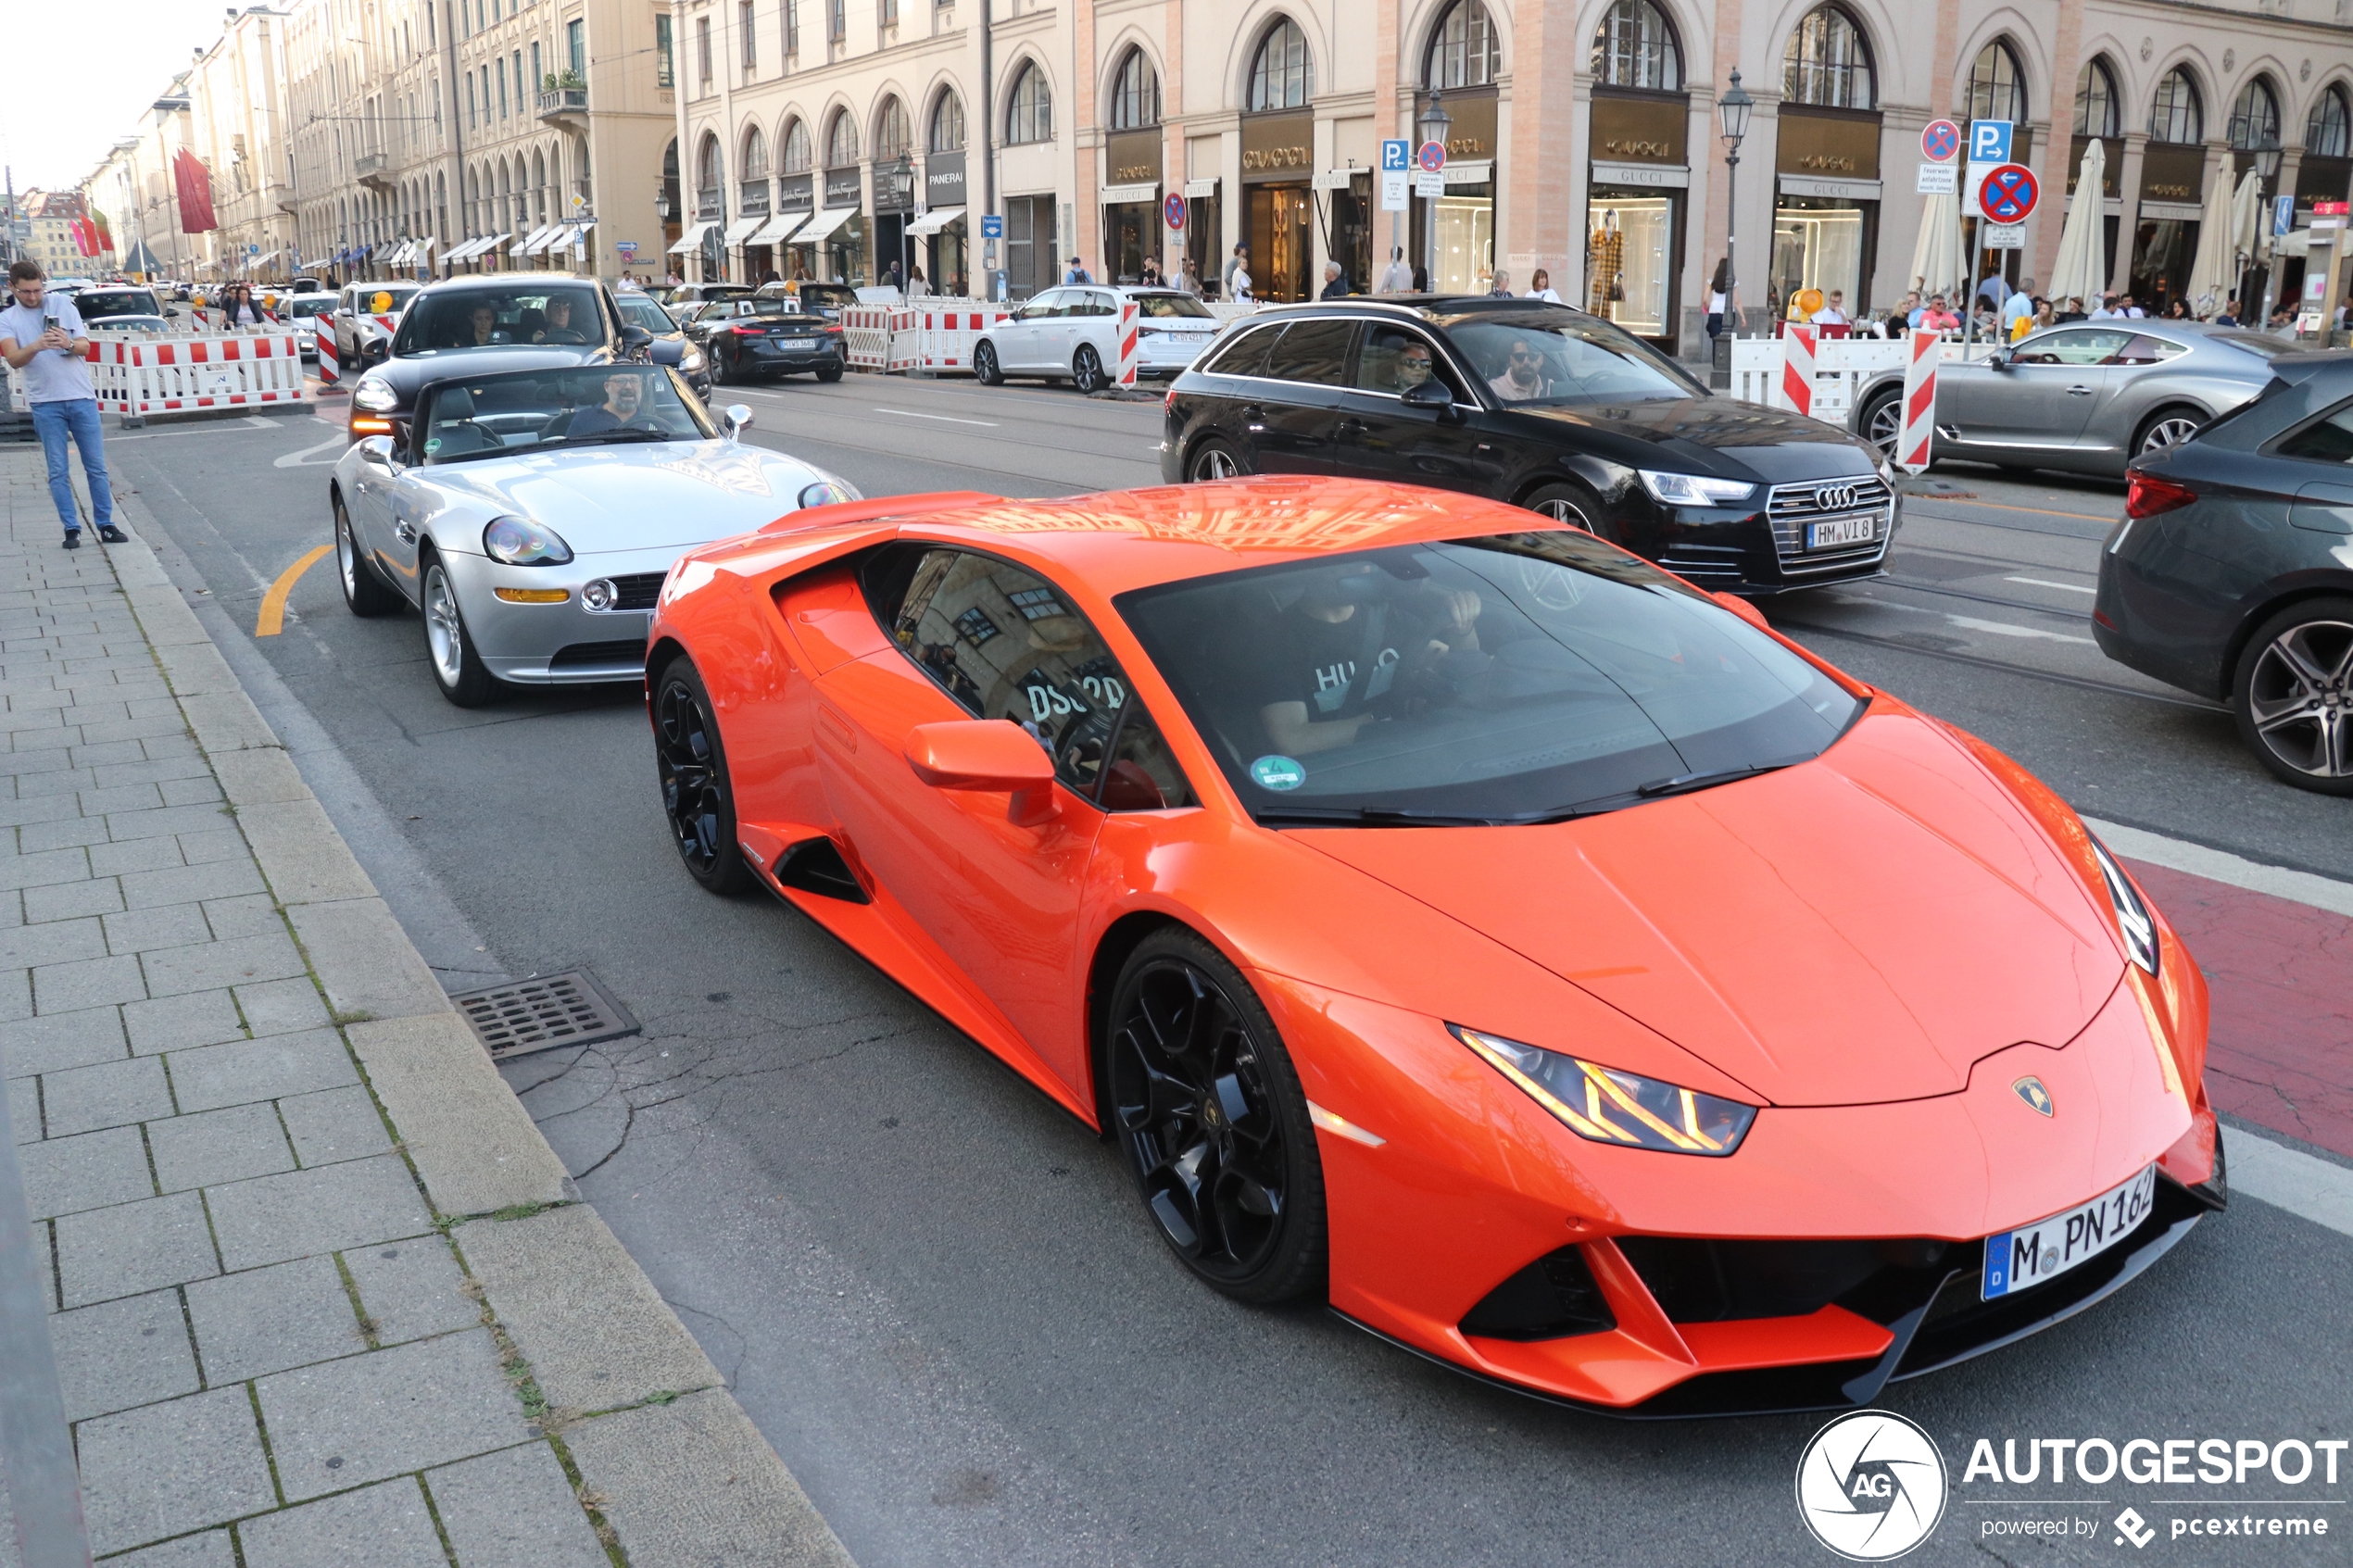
pixel 1396 359
pixel 1313 351
pixel 1243 355
pixel 2088 346
pixel 1172 304
pixel 1514 677
pixel 639 311
pixel 1562 356
pixel 1006 644
pixel 1046 306
pixel 2326 440
pixel 1100 304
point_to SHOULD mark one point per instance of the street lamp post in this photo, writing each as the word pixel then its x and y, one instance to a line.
pixel 902 179
pixel 2266 165
pixel 1435 123
pixel 1732 111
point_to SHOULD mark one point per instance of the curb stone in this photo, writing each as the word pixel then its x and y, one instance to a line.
pixel 656 1449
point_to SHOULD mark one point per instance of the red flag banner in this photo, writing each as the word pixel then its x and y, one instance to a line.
pixel 80 230
pixel 106 234
pixel 195 183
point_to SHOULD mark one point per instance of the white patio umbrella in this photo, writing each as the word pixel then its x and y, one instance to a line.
pixel 1936 256
pixel 2247 230
pixel 2211 273
pixel 2081 270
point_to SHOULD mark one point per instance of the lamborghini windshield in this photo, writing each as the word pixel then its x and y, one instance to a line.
pixel 1523 677
pixel 583 406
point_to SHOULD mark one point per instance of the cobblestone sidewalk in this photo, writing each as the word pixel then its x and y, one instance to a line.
pixel 320 1293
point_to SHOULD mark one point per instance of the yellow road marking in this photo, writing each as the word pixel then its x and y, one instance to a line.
pixel 272 619
pixel 2004 507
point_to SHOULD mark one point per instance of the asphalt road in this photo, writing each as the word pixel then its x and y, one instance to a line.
pixel 935 1293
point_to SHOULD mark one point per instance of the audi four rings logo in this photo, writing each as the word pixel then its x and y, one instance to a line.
pixel 1835 498
pixel 1870 1486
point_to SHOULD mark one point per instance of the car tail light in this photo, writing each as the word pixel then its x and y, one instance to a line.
pixel 2149 495
pixel 1168 401
pixel 742 330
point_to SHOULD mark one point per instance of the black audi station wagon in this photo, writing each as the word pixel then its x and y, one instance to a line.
pixel 1546 406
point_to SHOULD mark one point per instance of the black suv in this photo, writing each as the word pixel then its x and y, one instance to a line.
pixel 1546 406
pixel 520 320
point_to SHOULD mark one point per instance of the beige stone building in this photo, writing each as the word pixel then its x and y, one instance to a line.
pixel 49 238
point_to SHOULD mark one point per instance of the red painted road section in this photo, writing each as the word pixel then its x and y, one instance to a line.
pixel 2282 976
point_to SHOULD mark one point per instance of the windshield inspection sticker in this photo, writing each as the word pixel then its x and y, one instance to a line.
pixel 1277 773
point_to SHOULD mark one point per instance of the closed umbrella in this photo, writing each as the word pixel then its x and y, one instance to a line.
pixel 2247 227
pixel 2210 273
pixel 1936 258
pixel 2081 271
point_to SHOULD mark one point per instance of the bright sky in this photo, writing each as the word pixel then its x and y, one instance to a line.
pixel 67 103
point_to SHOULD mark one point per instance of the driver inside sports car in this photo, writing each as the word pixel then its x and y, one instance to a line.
pixel 1358 646
pixel 623 407
pixel 559 327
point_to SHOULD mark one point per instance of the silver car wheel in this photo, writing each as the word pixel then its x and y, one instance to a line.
pixel 444 632
pixel 1884 428
pixel 2302 699
pixel 1561 510
pixel 346 554
pixel 1216 463
pixel 2171 431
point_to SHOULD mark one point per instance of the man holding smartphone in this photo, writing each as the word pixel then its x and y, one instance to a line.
pixel 44 338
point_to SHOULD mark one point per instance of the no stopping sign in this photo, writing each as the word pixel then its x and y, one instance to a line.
pixel 2008 193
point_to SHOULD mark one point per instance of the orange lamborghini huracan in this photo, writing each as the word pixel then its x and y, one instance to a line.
pixel 1456 919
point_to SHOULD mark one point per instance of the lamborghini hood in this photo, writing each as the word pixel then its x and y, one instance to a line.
pixel 1854 930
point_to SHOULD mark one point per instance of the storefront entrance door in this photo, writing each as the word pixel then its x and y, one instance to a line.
pixel 1282 231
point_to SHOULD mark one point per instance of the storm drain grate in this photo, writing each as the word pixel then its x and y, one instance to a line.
pixel 543 1012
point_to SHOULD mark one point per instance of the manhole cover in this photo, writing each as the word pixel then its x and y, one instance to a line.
pixel 543 1012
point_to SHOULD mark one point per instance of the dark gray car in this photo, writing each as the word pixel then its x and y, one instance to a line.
pixel 2232 574
pixel 2089 396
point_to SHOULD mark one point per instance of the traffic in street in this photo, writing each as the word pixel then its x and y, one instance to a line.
pixel 929 1283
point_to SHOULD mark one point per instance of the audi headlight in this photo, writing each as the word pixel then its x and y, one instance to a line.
pixel 375 395
pixel 829 492
pixel 521 542
pixel 2133 917
pixel 1694 489
pixel 1611 1106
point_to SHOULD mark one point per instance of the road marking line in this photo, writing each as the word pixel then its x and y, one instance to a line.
pixel 297 460
pixel 2062 587
pixel 2006 629
pixel 2219 865
pixel 2306 1186
pixel 2004 507
pixel 951 419
pixel 272 619
pixel 259 423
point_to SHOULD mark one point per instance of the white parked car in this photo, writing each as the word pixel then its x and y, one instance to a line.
pixel 1073 333
pixel 532 515
pixel 358 323
pixel 301 311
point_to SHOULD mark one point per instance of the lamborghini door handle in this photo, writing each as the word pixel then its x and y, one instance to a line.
pixel 405 532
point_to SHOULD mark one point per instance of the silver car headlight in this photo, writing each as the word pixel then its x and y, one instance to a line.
pixel 517 541
pixel 375 394
pixel 692 361
pixel 1694 489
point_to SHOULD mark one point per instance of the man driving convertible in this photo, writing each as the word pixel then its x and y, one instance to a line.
pixel 625 408
pixel 1356 647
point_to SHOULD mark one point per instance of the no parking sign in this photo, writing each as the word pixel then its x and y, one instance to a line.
pixel 2009 193
pixel 1172 209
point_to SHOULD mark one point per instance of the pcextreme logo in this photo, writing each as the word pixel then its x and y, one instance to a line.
pixel 1871 1486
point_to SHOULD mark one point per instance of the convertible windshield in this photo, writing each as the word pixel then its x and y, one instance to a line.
pixel 561 314
pixel 590 405
pixel 1558 356
pixel 1520 677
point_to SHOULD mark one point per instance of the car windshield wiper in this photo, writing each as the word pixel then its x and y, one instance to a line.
pixel 597 437
pixel 1658 789
pixel 1368 817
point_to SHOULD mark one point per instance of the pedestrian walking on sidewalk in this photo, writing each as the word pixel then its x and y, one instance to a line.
pixel 43 337
pixel 1397 278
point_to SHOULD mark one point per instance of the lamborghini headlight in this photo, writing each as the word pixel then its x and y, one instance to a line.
pixel 2133 917
pixel 1694 489
pixel 521 542
pixel 1609 1105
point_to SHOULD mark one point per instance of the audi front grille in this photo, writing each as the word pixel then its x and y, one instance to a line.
pixel 1792 507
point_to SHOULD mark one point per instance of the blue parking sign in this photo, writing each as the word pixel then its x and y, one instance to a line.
pixel 2284 215
pixel 992 226
pixel 1989 141
pixel 1396 153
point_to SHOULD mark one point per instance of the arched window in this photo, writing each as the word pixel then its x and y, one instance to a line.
pixel 2329 133
pixel 1030 113
pixel 709 168
pixel 947 123
pixel 2176 114
pixel 1828 64
pixel 1996 85
pixel 755 160
pixel 1135 94
pixel 1636 49
pixel 894 133
pixel 841 140
pixel 1278 71
pixel 2098 105
pixel 2255 119
pixel 1462 52
pixel 797 148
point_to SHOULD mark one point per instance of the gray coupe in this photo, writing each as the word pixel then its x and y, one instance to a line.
pixel 2089 396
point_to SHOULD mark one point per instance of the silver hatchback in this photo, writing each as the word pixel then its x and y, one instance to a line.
pixel 2088 396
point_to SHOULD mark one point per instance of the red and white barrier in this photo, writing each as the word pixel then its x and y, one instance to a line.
pixel 949 330
pixel 1127 336
pixel 871 335
pixel 1797 370
pixel 1919 402
pixel 137 375
pixel 330 361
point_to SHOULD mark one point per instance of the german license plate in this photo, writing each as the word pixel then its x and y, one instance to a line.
pixel 1833 532
pixel 800 345
pixel 2026 1257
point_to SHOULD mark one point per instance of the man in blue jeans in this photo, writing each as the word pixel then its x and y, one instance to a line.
pixel 42 338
